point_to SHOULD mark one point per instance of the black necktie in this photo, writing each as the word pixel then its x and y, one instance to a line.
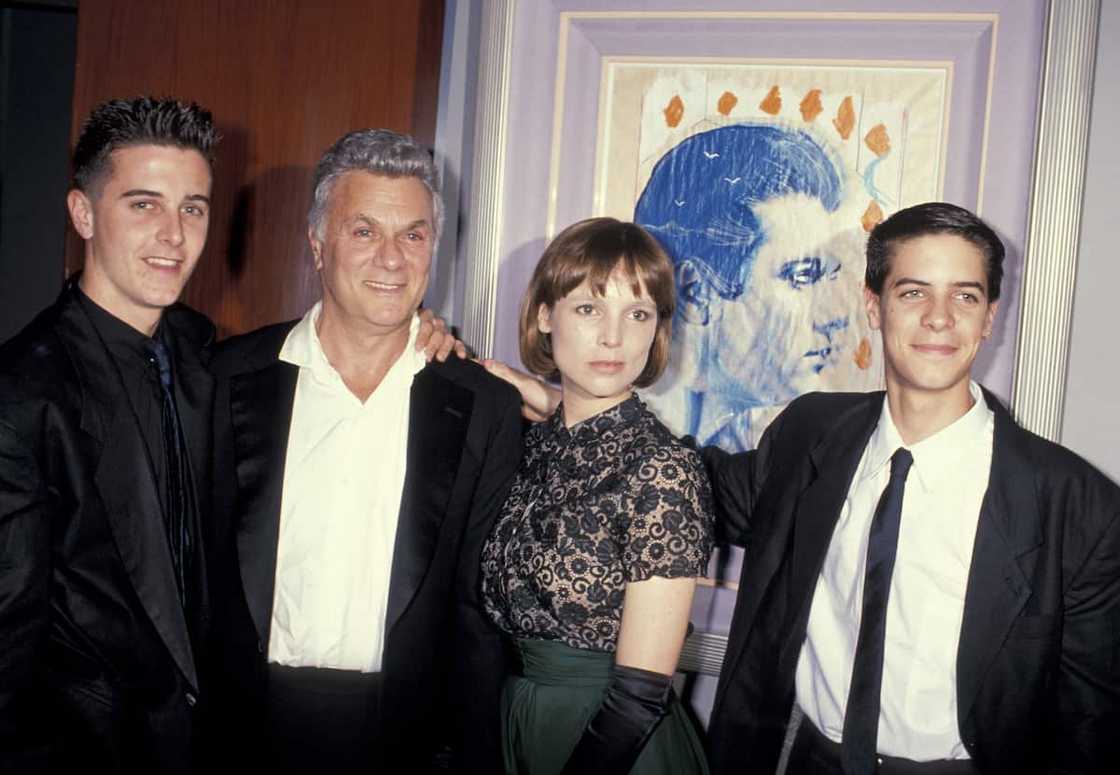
pixel 177 493
pixel 861 716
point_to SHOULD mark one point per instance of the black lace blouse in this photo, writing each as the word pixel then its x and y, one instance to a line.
pixel 616 498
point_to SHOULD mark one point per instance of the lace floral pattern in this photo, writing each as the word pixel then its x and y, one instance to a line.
pixel 616 498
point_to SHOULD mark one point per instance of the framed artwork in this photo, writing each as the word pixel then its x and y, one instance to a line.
pixel 760 147
pixel 761 180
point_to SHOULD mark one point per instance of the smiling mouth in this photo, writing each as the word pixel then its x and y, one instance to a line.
pixel 386 287
pixel 160 262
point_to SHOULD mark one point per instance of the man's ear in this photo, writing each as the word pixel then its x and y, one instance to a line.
pixel 316 248
pixel 990 318
pixel 81 213
pixel 544 319
pixel 693 293
pixel 871 302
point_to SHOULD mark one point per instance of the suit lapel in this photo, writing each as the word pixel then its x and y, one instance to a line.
pixel 126 484
pixel 811 521
pixel 439 415
pixel 1008 535
pixel 261 412
pixel 834 460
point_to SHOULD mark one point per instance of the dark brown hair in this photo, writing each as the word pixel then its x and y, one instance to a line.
pixel 932 218
pixel 592 251
pixel 139 121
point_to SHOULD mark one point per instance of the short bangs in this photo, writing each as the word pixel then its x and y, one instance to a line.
pixel 594 251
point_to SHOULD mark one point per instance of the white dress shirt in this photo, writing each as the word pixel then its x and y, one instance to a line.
pixel 343 478
pixel 944 492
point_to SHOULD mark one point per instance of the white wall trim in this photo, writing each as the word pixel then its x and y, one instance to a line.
pixel 1054 228
pixel 483 255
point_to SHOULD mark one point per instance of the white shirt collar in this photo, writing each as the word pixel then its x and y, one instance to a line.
pixel 303 348
pixel 933 456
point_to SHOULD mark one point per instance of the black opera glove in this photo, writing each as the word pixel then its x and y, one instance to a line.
pixel 635 702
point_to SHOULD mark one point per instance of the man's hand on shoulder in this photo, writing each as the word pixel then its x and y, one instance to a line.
pixel 435 340
pixel 538 399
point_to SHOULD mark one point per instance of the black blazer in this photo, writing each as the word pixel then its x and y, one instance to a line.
pixel 97 669
pixel 1038 663
pixel 443 661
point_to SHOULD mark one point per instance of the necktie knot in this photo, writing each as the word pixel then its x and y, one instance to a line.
pixel 901 461
pixel 162 359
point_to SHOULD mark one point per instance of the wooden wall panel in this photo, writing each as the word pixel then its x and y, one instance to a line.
pixel 284 79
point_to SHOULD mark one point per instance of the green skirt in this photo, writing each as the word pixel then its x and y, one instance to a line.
pixel 545 710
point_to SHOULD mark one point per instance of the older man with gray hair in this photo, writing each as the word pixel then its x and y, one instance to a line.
pixel 361 481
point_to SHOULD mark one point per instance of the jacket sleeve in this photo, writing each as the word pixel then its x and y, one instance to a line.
pixel 26 508
pixel 479 660
pixel 1087 717
pixel 737 479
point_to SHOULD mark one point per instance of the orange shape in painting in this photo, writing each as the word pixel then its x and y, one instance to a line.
pixel 811 105
pixel 772 103
pixel 727 101
pixel 872 216
pixel 878 140
pixel 862 356
pixel 845 120
pixel 674 111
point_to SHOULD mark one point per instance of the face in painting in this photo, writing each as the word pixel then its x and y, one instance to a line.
pixel 375 252
pixel 600 344
pixel 768 264
pixel 144 229
pixel 933 313
pixel 796 326
pixel 793 325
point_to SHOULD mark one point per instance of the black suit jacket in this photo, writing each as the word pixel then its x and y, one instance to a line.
pixel 97 668
pixel 443 662
pixel 1038 663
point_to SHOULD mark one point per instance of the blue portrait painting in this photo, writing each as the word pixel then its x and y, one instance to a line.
pixel 768 269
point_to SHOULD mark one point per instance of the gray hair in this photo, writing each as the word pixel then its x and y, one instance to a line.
pixel 379 152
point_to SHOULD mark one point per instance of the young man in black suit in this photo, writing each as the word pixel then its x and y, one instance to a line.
pixel 934 588
pixel 363 482
pixel 105 442
pixel 937 589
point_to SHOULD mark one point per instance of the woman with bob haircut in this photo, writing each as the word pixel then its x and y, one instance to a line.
pixel 593 560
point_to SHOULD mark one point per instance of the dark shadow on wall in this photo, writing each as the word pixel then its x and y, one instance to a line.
pixel 37 52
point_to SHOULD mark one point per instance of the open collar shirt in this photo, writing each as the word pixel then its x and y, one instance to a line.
pixel 343 480
pixel 940 511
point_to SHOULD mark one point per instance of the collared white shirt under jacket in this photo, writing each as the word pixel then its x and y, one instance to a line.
pixel 343 479
pixel 944 492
